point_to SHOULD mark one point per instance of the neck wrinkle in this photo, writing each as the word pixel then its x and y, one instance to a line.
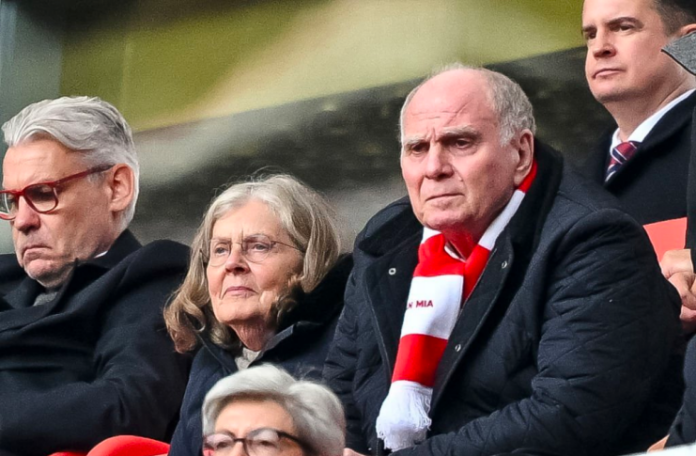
pixel 253 335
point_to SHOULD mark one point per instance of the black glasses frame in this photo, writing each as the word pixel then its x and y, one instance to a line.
pixel 209 450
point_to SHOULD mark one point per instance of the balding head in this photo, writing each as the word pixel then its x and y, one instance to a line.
pixel 511 104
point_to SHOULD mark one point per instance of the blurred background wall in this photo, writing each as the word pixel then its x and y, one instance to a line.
pixel 217 90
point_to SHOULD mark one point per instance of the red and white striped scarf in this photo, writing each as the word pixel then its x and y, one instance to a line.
pixel 441 283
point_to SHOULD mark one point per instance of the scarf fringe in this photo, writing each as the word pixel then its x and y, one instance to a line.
pixel 403 419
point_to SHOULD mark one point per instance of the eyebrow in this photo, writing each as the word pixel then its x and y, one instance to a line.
pixel 613 22
pixel 448 133
pixel 458 132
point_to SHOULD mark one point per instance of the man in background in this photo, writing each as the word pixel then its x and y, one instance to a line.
pixel 644 160
pixel 83 350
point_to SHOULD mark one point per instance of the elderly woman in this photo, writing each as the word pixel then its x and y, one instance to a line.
pixel 270 413
pixel 265 284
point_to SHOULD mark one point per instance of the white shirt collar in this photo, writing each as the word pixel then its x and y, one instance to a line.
pixel 646 127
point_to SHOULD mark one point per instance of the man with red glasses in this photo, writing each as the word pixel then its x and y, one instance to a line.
pixel 83 350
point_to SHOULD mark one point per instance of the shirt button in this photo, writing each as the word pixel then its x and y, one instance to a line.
pixel 504 265
pixel 392 271
pixel 458 348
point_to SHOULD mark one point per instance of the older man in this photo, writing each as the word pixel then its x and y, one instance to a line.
pixel 644 161
pixel 83 350
pixel 505 305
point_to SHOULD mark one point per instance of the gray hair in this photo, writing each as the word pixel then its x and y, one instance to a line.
pixel 86 125
pixel 511 104
pixel 316 412
pixel 304 215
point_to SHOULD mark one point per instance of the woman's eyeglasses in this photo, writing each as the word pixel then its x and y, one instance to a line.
pixel 259 442
pixel 255 249
pixel 42 197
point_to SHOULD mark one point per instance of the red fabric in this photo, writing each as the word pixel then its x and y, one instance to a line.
pixel 433 261
pixel 473 268
pixel 527 182
pixel 123 445
pixel 129 445
pixel 418 355
pixel 427 350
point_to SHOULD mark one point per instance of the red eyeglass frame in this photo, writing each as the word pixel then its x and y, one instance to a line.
pixel 54 187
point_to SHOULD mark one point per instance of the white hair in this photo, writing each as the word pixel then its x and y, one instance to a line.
pixel 511 104
pixel 316 412
pixel 85 125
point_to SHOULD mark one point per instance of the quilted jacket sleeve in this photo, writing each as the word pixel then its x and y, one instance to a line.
pixel 609 324
pixel 339 368
pixel 683 430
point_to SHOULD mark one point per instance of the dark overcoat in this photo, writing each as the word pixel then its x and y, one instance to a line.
pixel 97 360
pixel 651 186
pixel 568 345
pixel 300 347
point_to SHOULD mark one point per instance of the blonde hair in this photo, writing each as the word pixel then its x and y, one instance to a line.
pixel 308 220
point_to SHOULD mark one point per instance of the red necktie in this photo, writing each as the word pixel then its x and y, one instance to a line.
pixel 619 156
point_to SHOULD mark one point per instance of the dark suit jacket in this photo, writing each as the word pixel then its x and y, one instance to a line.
pixel 566 345
pixel 97 360
pixel 652 186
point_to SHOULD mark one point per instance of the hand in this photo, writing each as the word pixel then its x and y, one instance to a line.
pixel 659 445
pixel 349 452
pixel 675 261
pixel 685 283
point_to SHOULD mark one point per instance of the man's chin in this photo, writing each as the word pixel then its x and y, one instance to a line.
pixel 46 272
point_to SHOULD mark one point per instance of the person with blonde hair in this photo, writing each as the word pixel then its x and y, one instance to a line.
pixel 265 284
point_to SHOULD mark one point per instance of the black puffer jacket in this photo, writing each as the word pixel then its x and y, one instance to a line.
pixel 566 346
pixel 300 347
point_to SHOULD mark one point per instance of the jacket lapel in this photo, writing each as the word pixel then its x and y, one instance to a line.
pixel 24 295
pixel 474 313
pixel 668 125
pixel 387 283
pixel 20 310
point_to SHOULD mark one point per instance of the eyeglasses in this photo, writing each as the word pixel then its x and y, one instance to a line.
pixel 255 249
pixel 259 442
pixel 42 197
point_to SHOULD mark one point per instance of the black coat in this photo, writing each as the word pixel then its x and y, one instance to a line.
pixel 564 346
pixel 300 347
pixel 684 428
pixel 97 360
pixel 652 186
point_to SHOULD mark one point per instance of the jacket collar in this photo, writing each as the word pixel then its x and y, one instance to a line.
pixel 668 126
pixel 394 246
pixel 22 297
pixel 318 307
pixel 314 310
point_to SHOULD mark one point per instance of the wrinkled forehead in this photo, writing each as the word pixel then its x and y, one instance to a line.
pixel 253 217
pixel 457 102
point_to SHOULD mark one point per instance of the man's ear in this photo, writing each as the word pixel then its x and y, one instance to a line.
pixel 685 30
pixel 524 148
pixel 121 185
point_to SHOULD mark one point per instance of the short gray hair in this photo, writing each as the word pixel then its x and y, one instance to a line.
pixel 514 110
pixel 305 216
pixel 316 412
pixel 86 125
